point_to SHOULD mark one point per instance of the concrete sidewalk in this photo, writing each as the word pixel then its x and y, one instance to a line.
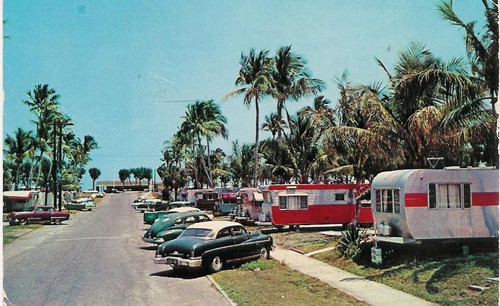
pixel 359 287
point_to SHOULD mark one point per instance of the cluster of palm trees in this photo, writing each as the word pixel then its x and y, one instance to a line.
pixel 29 155
pixel 139 174
pixel 430 108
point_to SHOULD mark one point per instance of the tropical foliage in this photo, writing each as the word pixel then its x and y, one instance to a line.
pixel 30 156
pixel 426 108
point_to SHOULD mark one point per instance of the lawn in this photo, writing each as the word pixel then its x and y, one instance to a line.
pixel 439 274
pixel 11 233
pixel 268 282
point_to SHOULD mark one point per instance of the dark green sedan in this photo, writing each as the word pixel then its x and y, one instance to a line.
pixel 213 244
pixel 172 225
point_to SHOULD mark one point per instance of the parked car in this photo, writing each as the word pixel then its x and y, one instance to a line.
pixel 212 245
pixel 146 205
pixel 39 214
pixel 81 204
pixel 150 217
pixel 172 225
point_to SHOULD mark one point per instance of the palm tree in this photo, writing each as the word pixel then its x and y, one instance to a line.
pixel 481 50
pixel 204 119
pixel 291 79
pixel 240 163
pixel 17 150
pixel 44 103
pixel 94 175
pixel 254 77
pixel 272 124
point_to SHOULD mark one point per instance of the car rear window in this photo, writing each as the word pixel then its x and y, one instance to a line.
pixel 198 233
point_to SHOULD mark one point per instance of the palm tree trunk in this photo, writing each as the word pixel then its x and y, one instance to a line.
pixel 209 166
pixel 203 162
pixel 256 141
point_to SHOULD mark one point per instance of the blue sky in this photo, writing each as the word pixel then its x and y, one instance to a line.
pixel 118 63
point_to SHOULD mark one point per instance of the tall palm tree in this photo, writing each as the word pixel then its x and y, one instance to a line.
pixel 303 146
pixel 44 103
pixel 17 150
pixel 255 79
pixel 482 49
pixel 204 119
pixel 291 79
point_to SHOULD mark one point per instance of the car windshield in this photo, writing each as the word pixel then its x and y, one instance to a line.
pixel 198 233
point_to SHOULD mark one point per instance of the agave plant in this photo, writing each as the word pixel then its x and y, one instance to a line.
pixel 351 242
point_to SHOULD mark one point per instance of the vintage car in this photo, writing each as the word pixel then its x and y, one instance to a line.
pixel 80 204
pixel 147 205
pixel 213 244
pixel 172 225
pixel 150 217
pixel 39 214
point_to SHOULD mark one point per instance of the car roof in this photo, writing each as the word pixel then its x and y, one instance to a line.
pixel 183 209
pixel 215 225
pixel 181 202
pixel 187 213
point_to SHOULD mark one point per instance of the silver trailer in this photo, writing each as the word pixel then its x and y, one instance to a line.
pixel 426 204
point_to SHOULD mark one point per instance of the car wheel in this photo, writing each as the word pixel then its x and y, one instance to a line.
pixel 215 265
pixel 23 221
pixel 264 253
pixel 57 221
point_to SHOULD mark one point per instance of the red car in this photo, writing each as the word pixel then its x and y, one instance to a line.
pixel 39 214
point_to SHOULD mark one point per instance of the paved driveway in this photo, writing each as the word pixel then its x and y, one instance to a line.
pixel 97 258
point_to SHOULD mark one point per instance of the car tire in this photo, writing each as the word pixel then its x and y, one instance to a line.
pixel 57 221
pixel 215 265
pixel 264 253
pixel 23 221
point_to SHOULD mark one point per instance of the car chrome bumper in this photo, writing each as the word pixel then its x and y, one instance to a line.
pixel 152 240
pixel 178 262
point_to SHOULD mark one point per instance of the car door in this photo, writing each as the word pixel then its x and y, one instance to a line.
pixel 240 247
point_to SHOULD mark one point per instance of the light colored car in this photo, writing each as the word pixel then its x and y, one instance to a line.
pixel 81 204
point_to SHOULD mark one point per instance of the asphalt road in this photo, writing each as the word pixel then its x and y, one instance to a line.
pixel 98 258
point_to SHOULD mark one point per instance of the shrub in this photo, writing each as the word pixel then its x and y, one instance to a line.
pixel 351 242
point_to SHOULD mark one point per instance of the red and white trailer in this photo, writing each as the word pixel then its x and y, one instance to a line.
pixel 308 204
pixel 426 204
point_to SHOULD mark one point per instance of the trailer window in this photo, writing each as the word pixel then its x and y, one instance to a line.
pixel 293 202
pixel 340 197
pixel 443 196
pixel 378 203
pixel 387 200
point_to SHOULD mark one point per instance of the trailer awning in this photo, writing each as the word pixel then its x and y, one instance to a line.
pixel 18 195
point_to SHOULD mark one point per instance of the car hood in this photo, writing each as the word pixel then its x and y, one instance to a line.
pixel 180 245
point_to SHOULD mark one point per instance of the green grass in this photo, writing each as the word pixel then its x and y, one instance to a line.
pixel 11 233
pixel 439 274
pixel 304 242
pixel 269 283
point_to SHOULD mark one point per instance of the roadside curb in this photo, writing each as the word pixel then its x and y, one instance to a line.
pixel 210 278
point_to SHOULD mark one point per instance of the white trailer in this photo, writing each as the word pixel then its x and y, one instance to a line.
pixel 425 204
